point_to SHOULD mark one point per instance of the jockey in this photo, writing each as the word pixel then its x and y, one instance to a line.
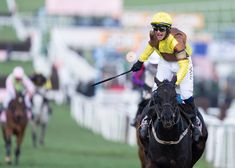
pixel 171 45
pixel 42 85
pixel 17 81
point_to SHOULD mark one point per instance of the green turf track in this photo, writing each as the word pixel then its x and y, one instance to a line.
pixel 29 6
pixel 8 66
pixel 70 146
pixel 8 35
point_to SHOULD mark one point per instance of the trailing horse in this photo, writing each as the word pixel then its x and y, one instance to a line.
pixel 170 143
pixel 40 109
pixel 16 122
pixel 41 114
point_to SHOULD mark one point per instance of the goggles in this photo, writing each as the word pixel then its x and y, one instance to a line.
pixel 160 27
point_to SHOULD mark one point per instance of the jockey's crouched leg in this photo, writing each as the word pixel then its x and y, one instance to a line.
pixel 29 108
pixel 144 127
pixel 30 114
pixel 192 111
pixel 3 118
pixel 147 115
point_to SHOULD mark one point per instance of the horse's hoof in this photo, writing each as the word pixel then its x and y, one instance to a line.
pixel 16 162
pixel 35 145
pixel 41 142
pixel 8 160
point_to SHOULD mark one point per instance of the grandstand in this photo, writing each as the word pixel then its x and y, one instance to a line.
pixel 219 15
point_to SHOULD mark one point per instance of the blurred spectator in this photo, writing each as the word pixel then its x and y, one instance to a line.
pixel 225 98
pixel 54 78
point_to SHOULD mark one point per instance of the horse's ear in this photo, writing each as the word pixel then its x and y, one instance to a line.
pixel 156 81
pixel 174 79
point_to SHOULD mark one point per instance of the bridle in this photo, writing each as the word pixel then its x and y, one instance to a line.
pixel 156 106
pixel 175 120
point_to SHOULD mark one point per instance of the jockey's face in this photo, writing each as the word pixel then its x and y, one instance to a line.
pixel 18 79
pixel 160 32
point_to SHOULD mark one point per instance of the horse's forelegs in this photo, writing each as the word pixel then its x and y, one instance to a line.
pixel 34 134
pixel 8 150
pixel 17 149
pixel 42 134
pixel 17 154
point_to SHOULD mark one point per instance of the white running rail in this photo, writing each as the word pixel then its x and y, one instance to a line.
pixel 109 113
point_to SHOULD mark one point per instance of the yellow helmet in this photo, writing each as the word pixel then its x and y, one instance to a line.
pixel 161 18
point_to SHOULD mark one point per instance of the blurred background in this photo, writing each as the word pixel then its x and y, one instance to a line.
pixel 76 43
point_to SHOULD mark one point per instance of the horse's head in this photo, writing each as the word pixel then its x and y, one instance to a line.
pixel 17 107
pixel 165 100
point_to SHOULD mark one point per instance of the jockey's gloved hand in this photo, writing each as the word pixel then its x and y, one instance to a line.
pixel 137 66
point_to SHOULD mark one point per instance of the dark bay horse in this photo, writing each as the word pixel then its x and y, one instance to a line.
pixel 170 143
pixel 16 122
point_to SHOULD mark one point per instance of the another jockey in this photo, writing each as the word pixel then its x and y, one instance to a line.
pixel 174 51
pixel 146 83
pixel 42 85
pixel 17 81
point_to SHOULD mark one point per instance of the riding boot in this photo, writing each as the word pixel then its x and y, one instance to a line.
pixel 144 127
pixel 134 122
pixel 30 113
pixel 3 115
pixel 196 124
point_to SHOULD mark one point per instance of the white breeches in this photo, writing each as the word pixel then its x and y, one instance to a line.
pixel 166 70
pixel 10 97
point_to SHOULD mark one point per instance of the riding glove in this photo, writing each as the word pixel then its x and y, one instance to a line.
pixel 137 66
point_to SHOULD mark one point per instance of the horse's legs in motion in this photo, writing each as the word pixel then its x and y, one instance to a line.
pixel 34 134
pixel 19 139
pixel 42 134
pixel 7 138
